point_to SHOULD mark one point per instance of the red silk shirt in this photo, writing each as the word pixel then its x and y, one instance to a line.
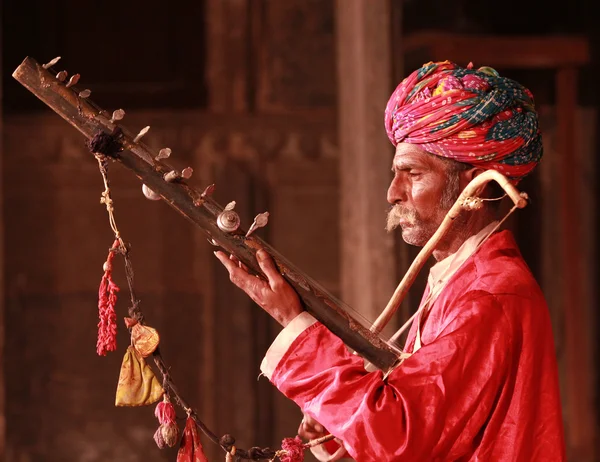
pixel 482 387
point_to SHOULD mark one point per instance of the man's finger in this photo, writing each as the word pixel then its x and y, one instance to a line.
pixel 227 263
pixel 238 262
pixel 237 275
pixel 308 432
pixel 312 424
pixel 268 266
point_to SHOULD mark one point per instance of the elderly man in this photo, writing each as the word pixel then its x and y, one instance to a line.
pixel 479 382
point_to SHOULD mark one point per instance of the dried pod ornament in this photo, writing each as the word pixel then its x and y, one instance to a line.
pixel 260 221
pixel 62 76
pixel 51 63
pixel 117 115
pixel 73 80
pixel 186 173
pixel 208 191
pixel 170 433
pixel 142 132
pixel 158 439
pixel 164 153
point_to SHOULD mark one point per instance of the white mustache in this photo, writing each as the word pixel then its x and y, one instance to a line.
pixel 399 213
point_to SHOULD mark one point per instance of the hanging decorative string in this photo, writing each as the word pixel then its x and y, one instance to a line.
pixel 145 343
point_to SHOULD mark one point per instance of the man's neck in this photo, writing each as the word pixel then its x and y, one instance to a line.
pixel 460 231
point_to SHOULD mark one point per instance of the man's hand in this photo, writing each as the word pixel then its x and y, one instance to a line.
pixel 275 296
pixel 310 429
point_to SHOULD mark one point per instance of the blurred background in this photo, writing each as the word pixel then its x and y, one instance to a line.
pixel 280 104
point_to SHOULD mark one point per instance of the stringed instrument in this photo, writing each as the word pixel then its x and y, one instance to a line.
pixel 107 136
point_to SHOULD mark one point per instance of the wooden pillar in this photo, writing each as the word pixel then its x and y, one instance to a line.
pixel 579 397
pixel 368 275
pixel 2 388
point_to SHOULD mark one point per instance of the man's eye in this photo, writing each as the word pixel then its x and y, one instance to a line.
pixel 414 173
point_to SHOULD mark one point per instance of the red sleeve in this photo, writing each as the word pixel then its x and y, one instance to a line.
pixel 434 403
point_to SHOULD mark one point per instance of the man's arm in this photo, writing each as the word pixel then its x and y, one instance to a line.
pixel 435 403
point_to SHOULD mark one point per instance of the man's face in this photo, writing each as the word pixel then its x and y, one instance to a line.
pixel 421 193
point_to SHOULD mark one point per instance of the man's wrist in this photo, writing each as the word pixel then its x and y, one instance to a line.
pixel 290 317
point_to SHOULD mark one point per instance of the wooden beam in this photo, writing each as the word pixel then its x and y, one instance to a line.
pixel 512 52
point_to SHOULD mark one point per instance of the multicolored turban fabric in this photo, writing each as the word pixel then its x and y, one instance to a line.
pixel 470 115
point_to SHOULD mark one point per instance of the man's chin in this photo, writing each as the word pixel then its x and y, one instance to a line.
pixel 412 236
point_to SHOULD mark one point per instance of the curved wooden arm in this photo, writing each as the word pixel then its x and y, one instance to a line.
pixel 467 197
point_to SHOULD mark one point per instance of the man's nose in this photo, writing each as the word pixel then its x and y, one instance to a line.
pixel 395 193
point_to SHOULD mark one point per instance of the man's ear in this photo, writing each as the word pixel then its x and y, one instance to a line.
pixel 466 176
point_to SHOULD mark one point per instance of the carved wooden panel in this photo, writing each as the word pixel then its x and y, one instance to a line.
pixel 296 67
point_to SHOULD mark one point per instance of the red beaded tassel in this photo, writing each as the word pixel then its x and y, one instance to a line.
pixel 107 299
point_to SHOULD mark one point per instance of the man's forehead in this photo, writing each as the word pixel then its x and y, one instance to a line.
pixel 412 152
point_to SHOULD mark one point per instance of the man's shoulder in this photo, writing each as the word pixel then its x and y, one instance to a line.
pixel 499 269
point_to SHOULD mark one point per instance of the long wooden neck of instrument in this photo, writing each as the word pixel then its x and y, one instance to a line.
pixel 76 108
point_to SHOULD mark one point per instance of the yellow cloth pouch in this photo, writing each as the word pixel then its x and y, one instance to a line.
pixel 137 385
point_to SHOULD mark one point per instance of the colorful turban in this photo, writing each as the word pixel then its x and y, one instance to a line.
pixel 472 116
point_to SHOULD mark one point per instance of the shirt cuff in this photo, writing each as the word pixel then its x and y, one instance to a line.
pixel 283 341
